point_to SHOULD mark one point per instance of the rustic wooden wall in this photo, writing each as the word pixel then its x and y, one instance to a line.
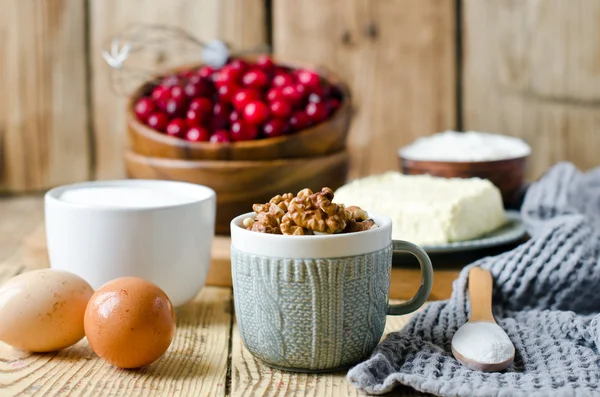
pixel 44 135
pixel 239 22
pixel 532 69
pixel 398 56
pixel 528 68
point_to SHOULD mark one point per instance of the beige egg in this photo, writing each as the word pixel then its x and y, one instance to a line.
pixel 43 310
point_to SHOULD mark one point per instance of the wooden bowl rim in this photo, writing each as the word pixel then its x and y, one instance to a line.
pixel 224 164
pixel 465 163
pixel 152 134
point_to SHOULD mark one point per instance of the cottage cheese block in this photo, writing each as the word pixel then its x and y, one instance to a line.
pixel 428 210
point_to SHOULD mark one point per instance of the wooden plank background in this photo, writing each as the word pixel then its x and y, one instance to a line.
pixel 398 57
pixel 239 22
pixel 44 135
pixel 532 70
pixel 526 68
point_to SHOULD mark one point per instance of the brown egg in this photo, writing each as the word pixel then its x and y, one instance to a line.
pixel 42 310
pixel 129 322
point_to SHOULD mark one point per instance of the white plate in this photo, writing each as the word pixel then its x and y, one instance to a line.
pixel 512 231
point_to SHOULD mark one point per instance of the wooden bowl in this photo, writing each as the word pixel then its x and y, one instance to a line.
pixel 239 184
pixel 324 138
pixel 508 175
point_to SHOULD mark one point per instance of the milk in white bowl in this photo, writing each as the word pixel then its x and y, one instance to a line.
pixel 123 197
pixel 161 231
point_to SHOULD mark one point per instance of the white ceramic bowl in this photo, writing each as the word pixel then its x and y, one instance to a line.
pixel 168 243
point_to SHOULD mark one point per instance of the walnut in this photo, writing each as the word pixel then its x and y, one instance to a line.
pixel 266 223
pixel 356 213
pixel 304 193
pixel 289 227
pixel 353 226
pixel 281 201
pixel 307 213
pixel 316 212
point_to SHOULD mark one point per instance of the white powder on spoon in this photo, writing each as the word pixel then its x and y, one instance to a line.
pixel 483 342
pixel 465 146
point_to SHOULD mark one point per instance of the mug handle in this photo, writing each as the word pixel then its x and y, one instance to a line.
pixel 426 279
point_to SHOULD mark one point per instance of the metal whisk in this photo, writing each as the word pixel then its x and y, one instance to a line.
pixel 157 42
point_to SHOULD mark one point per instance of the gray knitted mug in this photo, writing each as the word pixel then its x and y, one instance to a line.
pixel 317 303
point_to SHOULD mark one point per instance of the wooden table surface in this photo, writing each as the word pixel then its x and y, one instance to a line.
pixel 206 358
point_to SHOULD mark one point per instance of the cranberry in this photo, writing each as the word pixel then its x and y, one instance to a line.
pixel 220 136
pixel 280 109
pixel 292 94
pixel 228 76
pixel 177 127
pixel 197 134
pixel 299 121
pixel 143 108
pixel 301 90
pixel 206 72
pixel 234 116
pixel 309 78
pixel 161 95
pixel 235 70
pixel 227 91
pixel 186 74
pixel 323 91
pixel 274 94
pixel 265 62
pixel 256 112
pixel 220 117
pixel 158 121
pixel 221 110
pixel 197 89
pixel 332 105
pixel 170 81
pixel 238 65
pixel 177 92
pixel 255 78
pixel 196 117
pixel 316 112
pixel 282 79
pixel 243 131
pixel 159 92
pixel 203 105
pixel 314 97
pixel 274 127
pixel 242 97
pixel 175 107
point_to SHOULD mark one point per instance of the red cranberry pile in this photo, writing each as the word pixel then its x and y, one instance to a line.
pixel 241 101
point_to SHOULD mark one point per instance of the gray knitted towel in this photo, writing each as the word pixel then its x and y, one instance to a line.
pixel 546 296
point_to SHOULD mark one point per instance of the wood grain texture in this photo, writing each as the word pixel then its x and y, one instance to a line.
pixel 20 218
pixel 251 378
pixel 239 22
pixel 532 70
pixel 194 365
pixel 44 138
pixel 240 184
pixel 480 294
pixel 398 57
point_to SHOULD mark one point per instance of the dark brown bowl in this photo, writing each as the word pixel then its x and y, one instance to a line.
pixel 239 184
pixel 508 175
pixel 324 138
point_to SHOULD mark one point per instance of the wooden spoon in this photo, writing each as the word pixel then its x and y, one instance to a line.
pixel 481 344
